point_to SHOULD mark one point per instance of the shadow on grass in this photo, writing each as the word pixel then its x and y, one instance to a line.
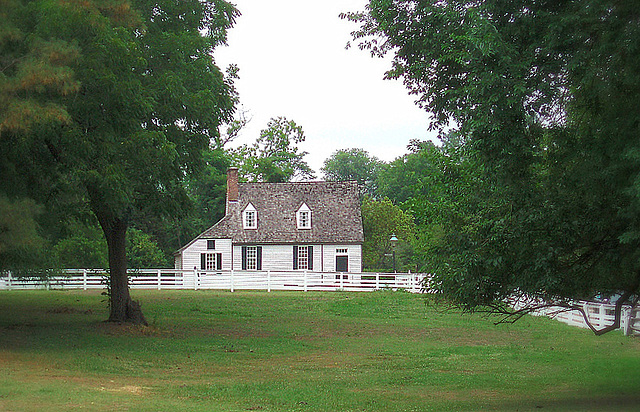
pixel 622 402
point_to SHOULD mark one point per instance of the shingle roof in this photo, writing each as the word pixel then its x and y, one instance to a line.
pixel 335 211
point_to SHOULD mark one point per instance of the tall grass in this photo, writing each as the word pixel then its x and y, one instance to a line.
pixel 245 351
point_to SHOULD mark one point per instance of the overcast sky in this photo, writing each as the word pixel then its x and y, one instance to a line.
pixel 293 63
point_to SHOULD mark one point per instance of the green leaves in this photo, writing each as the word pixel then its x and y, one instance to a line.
pixel 353 165
pixel 20 242
pixel 275 156
pixel 540 193
pixel 381 219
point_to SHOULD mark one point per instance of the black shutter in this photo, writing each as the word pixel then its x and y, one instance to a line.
pixel 203 261
pixel 295 258
pixel 244 258
pixel 259 260
pixel 218 261
pixel 310 254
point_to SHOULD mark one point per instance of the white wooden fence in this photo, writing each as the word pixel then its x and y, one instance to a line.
pixel 600 315
pixel 227 280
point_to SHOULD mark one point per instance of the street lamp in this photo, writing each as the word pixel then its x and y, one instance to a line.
pixel 394 241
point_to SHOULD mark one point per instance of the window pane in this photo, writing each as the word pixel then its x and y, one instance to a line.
pixel 210 261
pixel 252 258
pixel 250 219
pixel 303 257
pixel 304 219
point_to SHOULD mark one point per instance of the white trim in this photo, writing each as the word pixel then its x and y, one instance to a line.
pixel 252 258
pixel 249 217
pixel 303 217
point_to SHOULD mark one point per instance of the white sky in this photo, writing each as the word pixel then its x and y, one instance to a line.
pixel 293 63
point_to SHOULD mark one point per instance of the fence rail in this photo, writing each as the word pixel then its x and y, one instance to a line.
pixel 600 316
pixel 225 280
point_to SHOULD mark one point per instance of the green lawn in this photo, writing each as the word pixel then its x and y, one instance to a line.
pixel 246 351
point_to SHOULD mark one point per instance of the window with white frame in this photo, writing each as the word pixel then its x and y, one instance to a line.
pixel 252 258
pixel 211 261
pixel 303 216
pixel 303 257
pixel 250 217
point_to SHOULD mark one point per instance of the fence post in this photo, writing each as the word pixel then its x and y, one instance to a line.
pixel 625 322
pixel 585 307
pixel 9 280
pixel 377 281
pixel 159 279
pixel 305 281
pixel 196 280
pixel 268 281
pixel 84 279
pixel 232 288
pixel 341 280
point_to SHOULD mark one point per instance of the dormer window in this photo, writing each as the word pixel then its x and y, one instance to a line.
pixel 250 217
pixel 303 216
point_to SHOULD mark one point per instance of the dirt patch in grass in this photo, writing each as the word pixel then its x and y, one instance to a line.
pixel 128 329
pixel 132 389
pixel 231 332
pixel 65 310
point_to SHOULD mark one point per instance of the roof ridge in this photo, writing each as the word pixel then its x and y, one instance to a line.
pixel 305 182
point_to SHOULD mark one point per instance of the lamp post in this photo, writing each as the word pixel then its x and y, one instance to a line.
pixel 394 241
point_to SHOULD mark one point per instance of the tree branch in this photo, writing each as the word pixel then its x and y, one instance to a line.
pixel 526 305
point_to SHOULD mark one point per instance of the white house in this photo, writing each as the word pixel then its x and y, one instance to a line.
pixel 315 226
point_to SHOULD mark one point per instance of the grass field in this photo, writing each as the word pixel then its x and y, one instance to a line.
pixel 377 351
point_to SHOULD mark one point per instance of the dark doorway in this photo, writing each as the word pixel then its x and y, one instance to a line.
pixel 342 263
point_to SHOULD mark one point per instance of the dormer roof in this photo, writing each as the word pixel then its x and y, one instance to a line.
pixel 335 206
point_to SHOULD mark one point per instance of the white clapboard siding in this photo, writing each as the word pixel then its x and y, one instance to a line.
pixel 190 257
pixel 274 257
pixel 354 253
pixel 280 257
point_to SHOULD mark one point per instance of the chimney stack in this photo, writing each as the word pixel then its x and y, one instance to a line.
pixel 232 184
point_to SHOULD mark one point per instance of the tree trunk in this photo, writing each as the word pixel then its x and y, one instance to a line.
pixel 122 308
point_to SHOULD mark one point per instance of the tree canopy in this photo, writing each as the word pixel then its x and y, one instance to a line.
pixel 539 94
pixel 353 164
pixel 110 104
pixel 381 220
pixel 274 157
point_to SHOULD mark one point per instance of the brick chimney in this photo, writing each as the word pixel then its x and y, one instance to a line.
pixel 232 184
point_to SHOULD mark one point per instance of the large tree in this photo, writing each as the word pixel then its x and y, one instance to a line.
pixel 111 103
pixel 381 220
pixel 543 96
pixel 275 156
pixel 353 164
